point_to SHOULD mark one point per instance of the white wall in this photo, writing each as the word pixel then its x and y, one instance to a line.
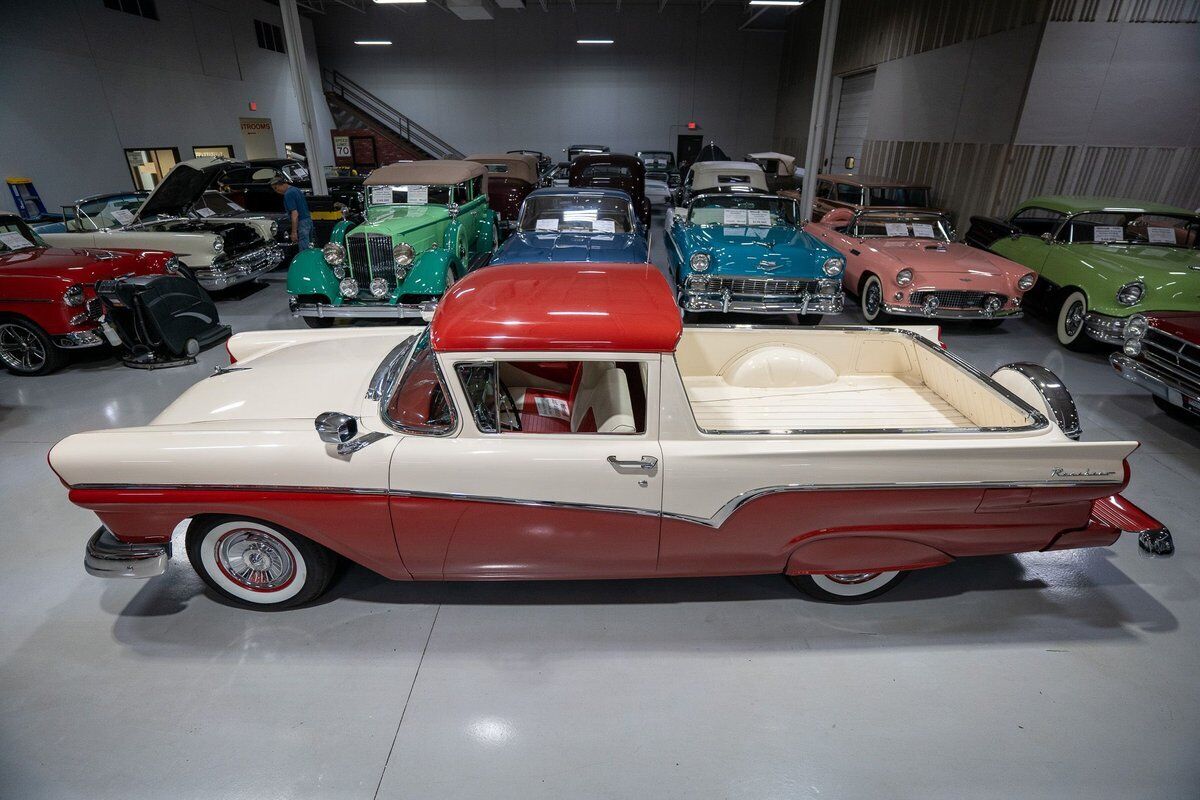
pixel 521 81
pixel 82 82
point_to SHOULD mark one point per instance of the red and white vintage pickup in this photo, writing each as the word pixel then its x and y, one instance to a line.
pixel 556 421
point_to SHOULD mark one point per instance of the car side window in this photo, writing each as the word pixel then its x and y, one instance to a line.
pixel 538 397
pixel 824 189
pixel 1036 221
pixel 477 186
pixel 420 403
pixel 849 194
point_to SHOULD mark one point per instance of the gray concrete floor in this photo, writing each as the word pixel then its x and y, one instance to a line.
pixel 1057 675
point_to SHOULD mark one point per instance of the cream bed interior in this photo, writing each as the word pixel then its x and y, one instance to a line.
pixel 740 380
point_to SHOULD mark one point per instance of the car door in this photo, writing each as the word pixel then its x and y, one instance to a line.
pixel 541 502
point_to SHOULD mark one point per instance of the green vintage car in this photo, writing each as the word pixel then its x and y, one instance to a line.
pixel 427 224
pixel 1101 260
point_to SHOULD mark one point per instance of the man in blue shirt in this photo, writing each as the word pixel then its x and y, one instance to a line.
pixel 297 208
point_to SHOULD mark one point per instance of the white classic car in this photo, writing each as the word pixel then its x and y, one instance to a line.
pixel 220 251
pixel 556 421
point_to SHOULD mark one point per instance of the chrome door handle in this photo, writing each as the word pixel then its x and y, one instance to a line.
pixel 647 463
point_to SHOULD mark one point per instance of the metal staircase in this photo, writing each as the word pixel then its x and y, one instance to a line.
pixel 347 98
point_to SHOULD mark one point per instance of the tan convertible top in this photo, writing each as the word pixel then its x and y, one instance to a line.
pixel 514 165
pixel 425 173
pixel 785 166
pixel 711 174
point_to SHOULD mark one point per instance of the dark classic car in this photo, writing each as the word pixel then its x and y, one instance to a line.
pixel 613 171
pixel 48 302
pixel 511 177
pixel 857 192
pixel 661 161
pixel 576 150
pixel 557 174
pixel 562 225
pixel 248 183
pixel 1162 355
pixel 544 161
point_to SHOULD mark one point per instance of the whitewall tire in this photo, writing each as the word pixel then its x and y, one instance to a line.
pixel 258 565
pixel 848 588
pixel 870 300
pixel 1070 323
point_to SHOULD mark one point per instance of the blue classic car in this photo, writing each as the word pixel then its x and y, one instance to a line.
pixel 745 252
pixel 576 225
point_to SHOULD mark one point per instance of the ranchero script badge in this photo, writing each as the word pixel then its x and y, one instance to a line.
pixel 1059 472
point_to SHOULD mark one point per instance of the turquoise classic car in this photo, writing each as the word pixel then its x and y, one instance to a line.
pixel 745 252
pixel 1101 260
pixel 427 224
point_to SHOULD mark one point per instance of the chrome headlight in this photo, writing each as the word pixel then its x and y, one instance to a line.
pixel 833 266
pixel 1026 281
pixel 218 244
pixel 379 288
pixel 74 295
pixel 1131 293
pixel 348 287
pixel 274 229
pixel 700 262
pixel 403 254
pixel 904 277
pixel 173 266
pixel 334 254
pixel 339 271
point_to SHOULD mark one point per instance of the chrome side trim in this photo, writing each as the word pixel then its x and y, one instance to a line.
pixel 1054 392
pixel 204 487
pixel 511 501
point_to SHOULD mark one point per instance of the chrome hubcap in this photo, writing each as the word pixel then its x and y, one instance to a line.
pixel 255 560
pixel 850 579
pixel 872 299
pixel 1074 318
pixel 20 348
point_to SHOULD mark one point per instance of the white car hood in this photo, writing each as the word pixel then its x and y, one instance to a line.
pixel 298 381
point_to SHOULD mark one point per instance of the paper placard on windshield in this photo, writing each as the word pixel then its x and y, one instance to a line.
pixel 417 195
pixel 1161 235
pixel 15 241
pixel 381 194
pixel 735 216
pixel 1107 233
pixel 123 216
pixel 235 206
pixel 923 229
pixel 896 228
pixel 205 212
pixel 758 217
pixel 550 224
pixel 604 226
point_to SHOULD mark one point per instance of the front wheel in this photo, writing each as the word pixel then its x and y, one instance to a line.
pixel 257 565
pixel 870 300
pixel 25 349
pixel 1070 325
pixel 847 588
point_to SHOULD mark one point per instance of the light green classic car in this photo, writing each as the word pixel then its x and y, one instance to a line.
pixel 1101 260
pixel 427 224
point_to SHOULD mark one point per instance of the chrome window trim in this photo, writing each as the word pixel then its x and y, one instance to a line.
pixel 1036 421
pixel 387 370
pixel 391 387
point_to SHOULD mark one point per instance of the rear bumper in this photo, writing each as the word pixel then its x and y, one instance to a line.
pixel 107 557
pixel 233 271
pixel 364 310
pixel 1118 513
pixel 1159 383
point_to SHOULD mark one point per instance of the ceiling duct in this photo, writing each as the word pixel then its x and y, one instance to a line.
pixel 470 9
pixel 517 4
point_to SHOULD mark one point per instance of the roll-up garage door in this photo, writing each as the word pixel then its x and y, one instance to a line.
pixel 854 107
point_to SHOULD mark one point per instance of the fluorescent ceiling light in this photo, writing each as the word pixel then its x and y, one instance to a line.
pixel 395 2
pixel 593 41
pixel 767 2
pixel 372 41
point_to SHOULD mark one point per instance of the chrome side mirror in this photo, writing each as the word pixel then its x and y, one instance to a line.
pixel 334 427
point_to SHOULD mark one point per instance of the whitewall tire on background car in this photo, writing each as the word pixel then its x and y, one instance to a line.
pixel 848 588
pixel 870 300
pixel 258 565
pixel 1071 321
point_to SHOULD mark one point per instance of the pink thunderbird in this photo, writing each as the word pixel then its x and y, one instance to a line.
pixel 907 263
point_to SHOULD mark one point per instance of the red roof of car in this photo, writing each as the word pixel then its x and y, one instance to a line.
pixel 619 307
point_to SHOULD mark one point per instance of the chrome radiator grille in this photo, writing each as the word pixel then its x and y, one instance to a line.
pixel 754 287
pixel 1172 354
pixel 370 256
pixel 955 299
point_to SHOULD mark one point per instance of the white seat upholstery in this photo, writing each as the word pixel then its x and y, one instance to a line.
pixel 603 391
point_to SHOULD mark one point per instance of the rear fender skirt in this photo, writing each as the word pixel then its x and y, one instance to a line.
pixel 355 524
pixel 841 554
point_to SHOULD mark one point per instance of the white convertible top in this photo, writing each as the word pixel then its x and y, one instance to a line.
pixel 712 174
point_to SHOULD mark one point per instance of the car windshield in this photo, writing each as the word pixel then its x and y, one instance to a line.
pixel 741 209
pixel 104 212
pixel 603 171
pixel 16 235
pixel 576 214
pixel 911 196
pixel 930 227
pixel 1133 227
pixel 663 159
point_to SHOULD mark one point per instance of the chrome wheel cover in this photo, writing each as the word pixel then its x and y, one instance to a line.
pixel 1074 319
pixel 20 348
pixel 872 299
pixel 255 560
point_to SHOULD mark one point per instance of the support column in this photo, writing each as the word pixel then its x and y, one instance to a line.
pixel 818 123
pixel 293 35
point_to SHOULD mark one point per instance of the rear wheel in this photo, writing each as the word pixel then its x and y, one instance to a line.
pixel 257 565
pixel 25 349
pixel 847 588
pixel 870 300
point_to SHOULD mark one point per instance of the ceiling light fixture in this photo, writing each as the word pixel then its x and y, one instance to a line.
pixel 776 2
pixel 593 41
pixel 396 2
pixel 373 41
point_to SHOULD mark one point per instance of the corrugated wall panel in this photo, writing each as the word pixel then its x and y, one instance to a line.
pixel 1125 11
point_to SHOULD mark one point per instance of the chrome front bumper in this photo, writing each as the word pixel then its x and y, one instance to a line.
pixel 364 310
pixel 952 313
pixel 233 271
pixel 1103 328
pixel 726 301
pixel 77 340
pixel 1156 381
pixel 107 557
